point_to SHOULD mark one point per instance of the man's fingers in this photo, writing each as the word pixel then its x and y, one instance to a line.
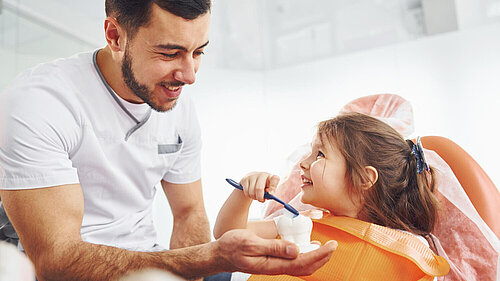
pixel 309 270
pixel 285 249
pixel 308 263
pixel 324 251
pixel 304 264
pixel 280 248
pixel 247 252
pixel 332 244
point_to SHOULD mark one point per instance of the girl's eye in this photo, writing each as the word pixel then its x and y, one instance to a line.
pixel 320 155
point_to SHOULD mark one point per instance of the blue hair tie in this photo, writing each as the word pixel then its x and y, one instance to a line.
pixel 418 151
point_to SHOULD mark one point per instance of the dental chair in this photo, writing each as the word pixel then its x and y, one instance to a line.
pixel 467 230
pixel 478 186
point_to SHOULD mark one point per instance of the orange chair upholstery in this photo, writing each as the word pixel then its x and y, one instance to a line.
pixel 477 185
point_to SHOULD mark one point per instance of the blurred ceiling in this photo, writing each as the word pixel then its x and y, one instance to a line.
pixel 267 34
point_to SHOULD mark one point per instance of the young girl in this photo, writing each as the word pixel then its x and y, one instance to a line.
pixel 377 190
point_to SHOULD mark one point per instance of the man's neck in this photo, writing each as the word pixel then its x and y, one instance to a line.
pixel 111 70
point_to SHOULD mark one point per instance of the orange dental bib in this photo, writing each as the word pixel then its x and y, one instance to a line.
pixel 372 252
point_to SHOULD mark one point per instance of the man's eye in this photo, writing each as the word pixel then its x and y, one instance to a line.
pixel 320 154
pixel 198 53
pixel 170 56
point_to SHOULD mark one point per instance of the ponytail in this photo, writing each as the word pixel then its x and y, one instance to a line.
pixel 418 207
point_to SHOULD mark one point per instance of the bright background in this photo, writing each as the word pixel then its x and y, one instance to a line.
pixel 275 68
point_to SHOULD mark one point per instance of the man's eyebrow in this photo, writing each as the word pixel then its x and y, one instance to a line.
pixel 177 47
pixel 204 45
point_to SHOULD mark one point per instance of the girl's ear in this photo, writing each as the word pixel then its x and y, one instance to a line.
pixel 372 174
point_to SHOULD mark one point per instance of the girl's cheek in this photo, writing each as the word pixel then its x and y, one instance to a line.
pixel 316 171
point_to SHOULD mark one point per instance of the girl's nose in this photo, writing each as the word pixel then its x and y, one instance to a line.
pixel 304 165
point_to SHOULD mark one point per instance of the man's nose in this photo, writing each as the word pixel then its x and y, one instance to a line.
pixel 186 73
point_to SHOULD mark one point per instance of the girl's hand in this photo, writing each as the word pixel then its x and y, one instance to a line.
pixel 256 183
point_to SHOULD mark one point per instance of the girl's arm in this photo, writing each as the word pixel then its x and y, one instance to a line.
pixel 234 212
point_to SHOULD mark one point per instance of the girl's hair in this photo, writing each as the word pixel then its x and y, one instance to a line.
pixel 401 198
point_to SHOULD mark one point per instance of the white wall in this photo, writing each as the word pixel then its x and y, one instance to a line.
pixel 25 42
pixel 451 80
pixel 254 120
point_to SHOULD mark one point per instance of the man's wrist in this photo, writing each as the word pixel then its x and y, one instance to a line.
pixel 201 260
pixel 190 230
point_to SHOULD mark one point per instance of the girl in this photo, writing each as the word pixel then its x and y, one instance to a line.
pixel 377 190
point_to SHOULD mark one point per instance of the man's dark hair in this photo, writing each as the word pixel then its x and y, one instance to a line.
pixel 133 14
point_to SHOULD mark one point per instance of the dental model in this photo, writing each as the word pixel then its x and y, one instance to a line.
pixel 296 229
pixel 291 225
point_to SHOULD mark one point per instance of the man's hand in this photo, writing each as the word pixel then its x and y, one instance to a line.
pixel 241 250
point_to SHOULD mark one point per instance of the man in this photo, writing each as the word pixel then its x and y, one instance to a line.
pixel 84 140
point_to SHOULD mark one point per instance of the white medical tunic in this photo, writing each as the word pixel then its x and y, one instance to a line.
pixel 61 123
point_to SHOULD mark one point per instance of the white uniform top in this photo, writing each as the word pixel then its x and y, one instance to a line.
pixel 61 123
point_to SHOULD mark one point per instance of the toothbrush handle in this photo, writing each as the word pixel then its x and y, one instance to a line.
pixel 235 184
pixel 286 205
pixel 267 195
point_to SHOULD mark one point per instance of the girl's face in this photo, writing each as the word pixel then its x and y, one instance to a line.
pixel 324 182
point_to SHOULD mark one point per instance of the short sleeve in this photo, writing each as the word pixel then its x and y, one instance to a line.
pixel 187 167
pixel 38 131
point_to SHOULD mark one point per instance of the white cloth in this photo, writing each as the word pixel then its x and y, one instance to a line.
pixel 60 123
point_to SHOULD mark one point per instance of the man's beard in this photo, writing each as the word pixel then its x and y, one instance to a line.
pixel 141 90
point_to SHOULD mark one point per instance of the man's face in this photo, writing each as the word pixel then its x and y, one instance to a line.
pixel 163 56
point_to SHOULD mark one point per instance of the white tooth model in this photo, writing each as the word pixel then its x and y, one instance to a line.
pixel 297 230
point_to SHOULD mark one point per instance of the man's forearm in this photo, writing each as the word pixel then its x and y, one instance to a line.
pixel 85 261
pixel 189 230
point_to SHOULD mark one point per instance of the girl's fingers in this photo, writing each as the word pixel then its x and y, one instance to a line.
pixel 261 186
pixel 272 183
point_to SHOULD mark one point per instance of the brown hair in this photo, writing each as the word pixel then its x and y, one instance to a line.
pixel 133 14
pixel 401 198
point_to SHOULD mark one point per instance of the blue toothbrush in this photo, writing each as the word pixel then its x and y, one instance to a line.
pixel 267 196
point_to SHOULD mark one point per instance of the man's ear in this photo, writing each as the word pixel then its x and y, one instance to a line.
pixel 372 174
pixel 115 34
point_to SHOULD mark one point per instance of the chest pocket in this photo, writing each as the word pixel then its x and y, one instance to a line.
pixel 170 148
pixel 168 152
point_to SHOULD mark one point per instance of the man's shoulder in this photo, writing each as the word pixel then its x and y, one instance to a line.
pixel 56 81
pixel 58 74
pixel 50 88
